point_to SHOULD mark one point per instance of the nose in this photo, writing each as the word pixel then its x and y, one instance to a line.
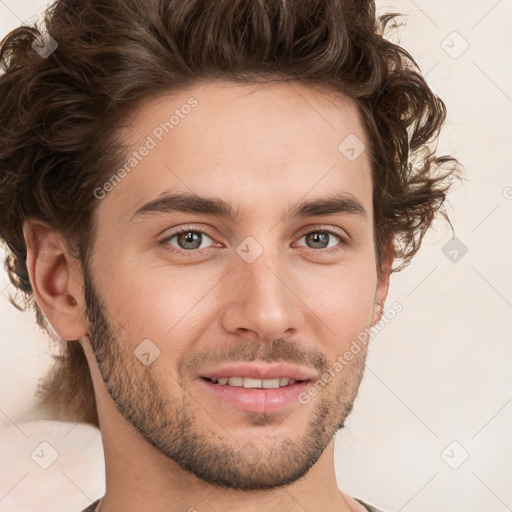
pixel 263 300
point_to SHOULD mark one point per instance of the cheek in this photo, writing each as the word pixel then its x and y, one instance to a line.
pixel 156 302
pixel 344 300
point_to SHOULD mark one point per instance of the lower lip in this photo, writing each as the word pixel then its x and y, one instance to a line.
pixel 256 399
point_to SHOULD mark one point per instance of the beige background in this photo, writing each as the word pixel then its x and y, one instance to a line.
pixel 439 373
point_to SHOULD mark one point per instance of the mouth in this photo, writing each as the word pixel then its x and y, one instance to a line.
pixel 257 387
pixel 252 383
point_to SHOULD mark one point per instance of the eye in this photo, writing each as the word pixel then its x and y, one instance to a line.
pixel 322 239
pixel 187 239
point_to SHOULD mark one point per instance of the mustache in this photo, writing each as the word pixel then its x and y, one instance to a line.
pixel 278 351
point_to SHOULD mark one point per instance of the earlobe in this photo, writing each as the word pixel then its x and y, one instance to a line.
pixel 378 311
pixel 56 279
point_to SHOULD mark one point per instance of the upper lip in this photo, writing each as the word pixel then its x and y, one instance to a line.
pixel 259 371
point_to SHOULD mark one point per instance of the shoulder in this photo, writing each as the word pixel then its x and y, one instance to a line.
pixel 91 507
pixel 369 507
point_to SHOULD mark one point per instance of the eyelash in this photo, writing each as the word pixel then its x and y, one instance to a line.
pixel 344 241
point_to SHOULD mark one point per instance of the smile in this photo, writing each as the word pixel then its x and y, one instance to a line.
pixel 251 383
pixel 255 395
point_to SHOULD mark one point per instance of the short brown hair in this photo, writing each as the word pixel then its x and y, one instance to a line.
pixel 61 115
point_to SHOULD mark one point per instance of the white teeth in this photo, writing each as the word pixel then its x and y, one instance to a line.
pixel 250 383
pixel 270 383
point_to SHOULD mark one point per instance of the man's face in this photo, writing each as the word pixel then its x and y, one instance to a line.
pixel 258 288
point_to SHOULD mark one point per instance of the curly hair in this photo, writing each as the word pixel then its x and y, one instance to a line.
pixel 61 117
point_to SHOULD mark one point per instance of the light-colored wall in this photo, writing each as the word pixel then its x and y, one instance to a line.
pixel 439 373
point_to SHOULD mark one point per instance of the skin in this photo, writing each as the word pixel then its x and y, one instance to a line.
pixel 169 444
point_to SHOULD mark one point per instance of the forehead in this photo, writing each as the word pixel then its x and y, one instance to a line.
pixel 244 142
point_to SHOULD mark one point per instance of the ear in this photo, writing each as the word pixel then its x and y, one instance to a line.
pixel 56 279
pixel 383 282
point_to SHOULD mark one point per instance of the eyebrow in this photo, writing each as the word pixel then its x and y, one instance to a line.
pixel 190 203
